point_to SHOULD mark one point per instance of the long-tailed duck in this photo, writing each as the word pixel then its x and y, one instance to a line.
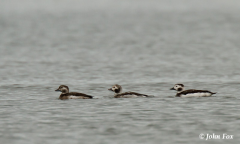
pixel 191 92
pixel 71 95
pixel 118 93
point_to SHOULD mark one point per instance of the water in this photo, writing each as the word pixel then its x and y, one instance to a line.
pixel 146 46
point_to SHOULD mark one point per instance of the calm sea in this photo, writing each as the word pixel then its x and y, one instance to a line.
pixel 146 46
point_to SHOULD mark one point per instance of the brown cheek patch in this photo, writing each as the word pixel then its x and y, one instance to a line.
pixel 64 91
pixel 179 89
pixel 117 90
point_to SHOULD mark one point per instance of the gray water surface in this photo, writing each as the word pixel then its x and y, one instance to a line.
pixel 145 46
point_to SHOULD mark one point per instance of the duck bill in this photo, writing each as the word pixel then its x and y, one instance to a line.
pixel 172 88
pixel 110 89
pixel 57 90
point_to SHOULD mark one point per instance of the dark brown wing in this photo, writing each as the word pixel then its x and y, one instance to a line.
pixel 193 91
pixel 78 94
pixel 131 93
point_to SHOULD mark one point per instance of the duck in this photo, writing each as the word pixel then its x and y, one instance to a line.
pixel 191 92
pixel 71 95
pixel 117 89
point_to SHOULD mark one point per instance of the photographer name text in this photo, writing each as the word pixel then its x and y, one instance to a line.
pixel 215 136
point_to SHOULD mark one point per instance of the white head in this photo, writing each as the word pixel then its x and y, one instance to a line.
pixel 116 88
pixel 63 89
pixel 178 87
